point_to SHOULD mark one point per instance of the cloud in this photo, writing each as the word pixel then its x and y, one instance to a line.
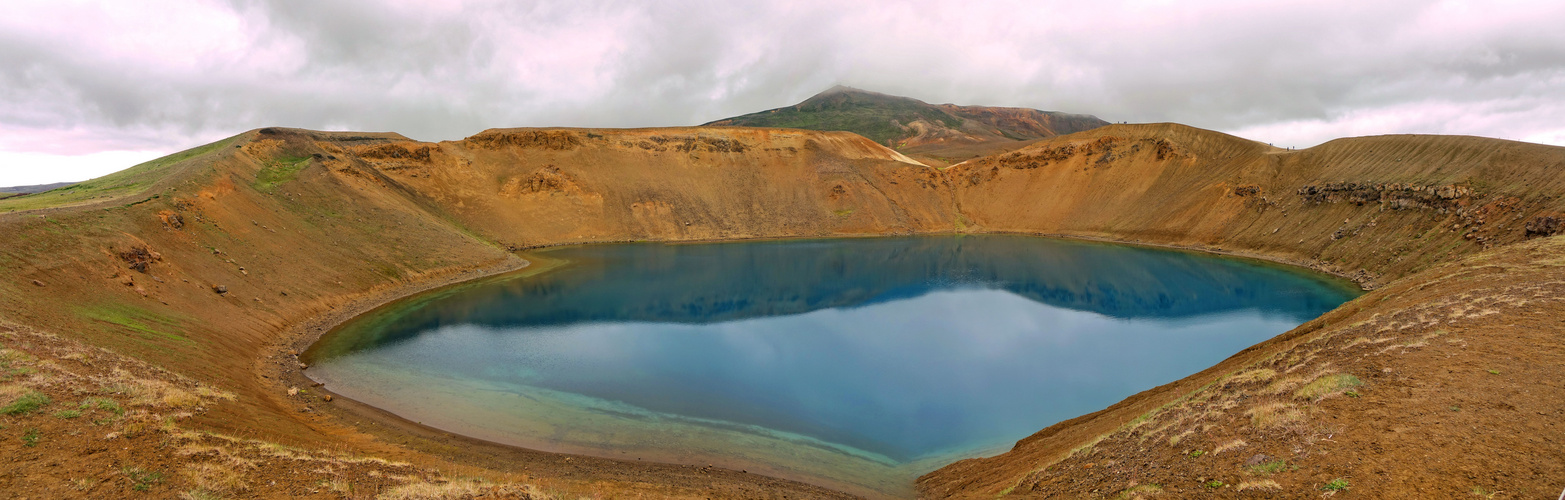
pixel 90 77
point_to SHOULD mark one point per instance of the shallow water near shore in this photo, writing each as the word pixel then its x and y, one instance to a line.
pixel 853 363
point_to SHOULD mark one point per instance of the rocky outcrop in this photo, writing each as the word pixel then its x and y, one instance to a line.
pixel 139 257
pixel 557 140
pixel 1545 225
pixel 687 144
pixel 548 180
pixel 1395 196
pixel 396 151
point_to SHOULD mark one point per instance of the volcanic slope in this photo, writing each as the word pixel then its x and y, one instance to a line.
pixel 938 135
pixel 221 263
pixel 213 268
pixel 1436 385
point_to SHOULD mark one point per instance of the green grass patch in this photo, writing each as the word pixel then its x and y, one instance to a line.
pixel 15 363
pixel 31 438
pixel 279 171
pixel 1338 484
pixel 141 479
pixel 67 414
pixel 27 403
pixel 104 404
pixel 148 324
pixel 1269 468
pixel 1327 385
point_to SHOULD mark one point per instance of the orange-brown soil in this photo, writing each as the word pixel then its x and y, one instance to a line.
pixel 218 269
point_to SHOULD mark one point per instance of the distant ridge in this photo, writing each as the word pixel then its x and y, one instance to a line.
pixel 37 188
pixel 935 134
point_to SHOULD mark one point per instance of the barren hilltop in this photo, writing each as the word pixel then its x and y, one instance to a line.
pixel 151 319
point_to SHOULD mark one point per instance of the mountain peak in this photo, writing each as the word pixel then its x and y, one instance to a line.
pixel 844 89
pixel 935 134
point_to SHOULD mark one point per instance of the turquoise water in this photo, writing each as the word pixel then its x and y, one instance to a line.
pixel 857 363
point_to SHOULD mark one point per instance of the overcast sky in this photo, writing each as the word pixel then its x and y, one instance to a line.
pixel 87 88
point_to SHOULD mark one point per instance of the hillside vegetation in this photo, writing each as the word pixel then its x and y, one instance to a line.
pixel 938 135
pixel 220 265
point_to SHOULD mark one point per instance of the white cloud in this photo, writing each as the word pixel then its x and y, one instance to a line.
pixel 82 77
pixel 26 169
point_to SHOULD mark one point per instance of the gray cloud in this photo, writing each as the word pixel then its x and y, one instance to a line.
pixel 80 79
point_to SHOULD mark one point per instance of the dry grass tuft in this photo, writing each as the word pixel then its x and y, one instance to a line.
pixel 1158 431
pixel 1282 386
pixel 207 392
pixel 1231 445
pixel 148 392
pixel 200 449
pixel 1366 340
pixel 216 478
pixel 140 422
pixel 281 451
pixel 1140 491
pixel 462 488
pixel 1089 448
pixel 1275 415
pixel 11 391
pixel 1263 484
pixel 341 486
pixel 1256 375
pixel 1327 386
pixel 180 398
